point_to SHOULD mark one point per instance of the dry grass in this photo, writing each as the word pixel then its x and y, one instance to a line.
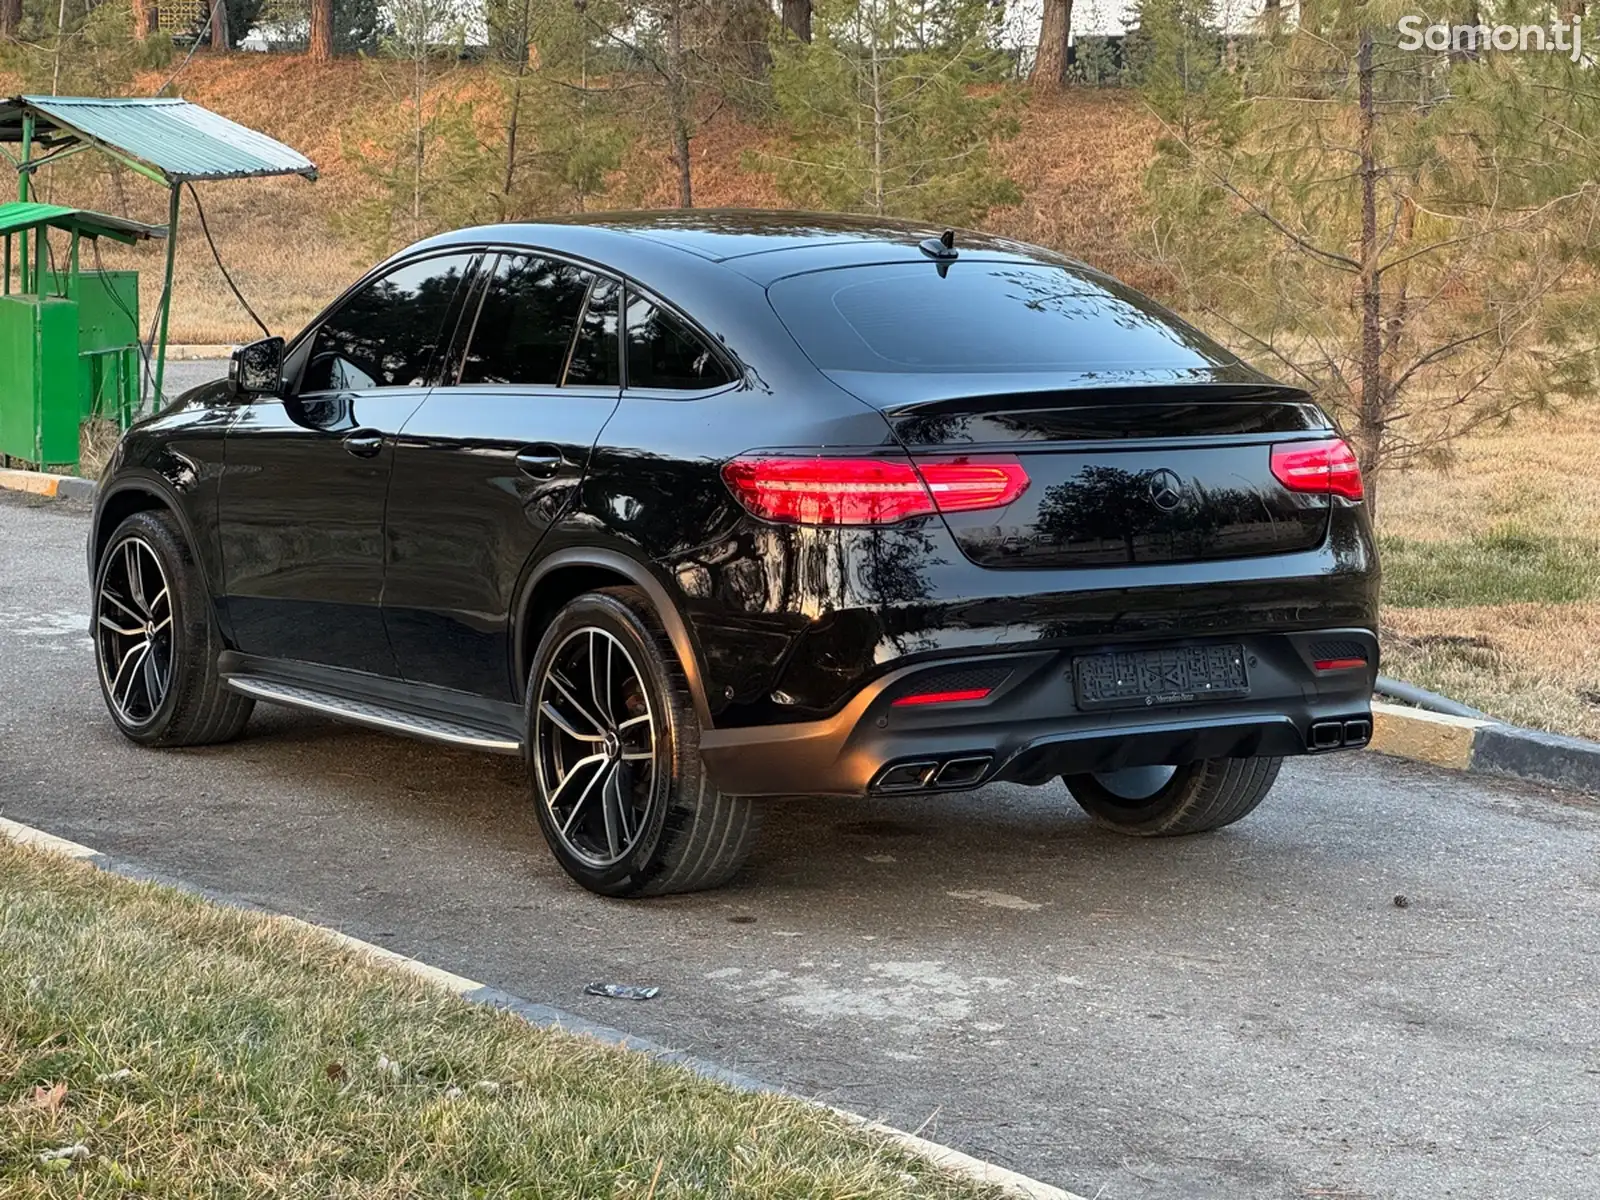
pixel 1540 472
pixel 1534 664
pixel 1079 162
pixel 192 1050
pixel 1493 573
pixel 97 439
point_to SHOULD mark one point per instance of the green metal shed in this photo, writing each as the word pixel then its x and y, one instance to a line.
pixel 69 338
pixel 168 140
pixel 173 140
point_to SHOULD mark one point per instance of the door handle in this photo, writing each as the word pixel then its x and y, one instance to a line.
pixel 364 443
pixel 540 462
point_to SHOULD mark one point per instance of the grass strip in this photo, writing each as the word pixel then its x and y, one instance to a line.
pixel 153 1043
pixel 1506 565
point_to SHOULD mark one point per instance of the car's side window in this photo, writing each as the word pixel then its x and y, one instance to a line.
pixel 387 333
pixel 665 353
pixel 596 356
pixel 525 325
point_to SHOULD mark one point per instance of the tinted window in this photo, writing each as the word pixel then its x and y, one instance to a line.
pixel 596 356
pixel 665 353
pixel 983 316
pixel 525 325
pixel 386 335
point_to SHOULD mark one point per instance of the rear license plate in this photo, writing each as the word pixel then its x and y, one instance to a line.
pixel 1147 678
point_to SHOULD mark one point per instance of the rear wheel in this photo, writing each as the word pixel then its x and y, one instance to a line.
pixel 156 640
pixel 1167 801
pixel 614 751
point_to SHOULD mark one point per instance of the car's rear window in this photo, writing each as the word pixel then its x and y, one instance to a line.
pixel 983 316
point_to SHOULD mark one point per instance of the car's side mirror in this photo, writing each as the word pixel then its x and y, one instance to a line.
pixel 257 369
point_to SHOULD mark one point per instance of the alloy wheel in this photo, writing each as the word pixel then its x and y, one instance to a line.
pixel 133 631
pixel 594 746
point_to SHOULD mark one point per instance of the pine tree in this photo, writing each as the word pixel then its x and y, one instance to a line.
pixel 429 168
pixel 319 47
pixel 797 18
pixel 891 109
pixel 682 61
pixel 564 129
pixel 1404 232
pixel 1179 63
pixel 1055 37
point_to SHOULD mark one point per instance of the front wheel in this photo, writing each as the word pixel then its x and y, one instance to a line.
pixel 156 640
pixel 1168 801
pixel 614 751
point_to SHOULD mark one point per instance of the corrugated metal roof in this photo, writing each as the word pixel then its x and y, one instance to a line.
pixel 19 215
pixel 182 141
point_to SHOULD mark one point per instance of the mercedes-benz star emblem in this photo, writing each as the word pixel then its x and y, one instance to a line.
pixel 1166 489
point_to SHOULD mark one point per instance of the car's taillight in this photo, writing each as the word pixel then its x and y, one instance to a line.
pixel 870 491
pixel 1328 467
pixel 962 485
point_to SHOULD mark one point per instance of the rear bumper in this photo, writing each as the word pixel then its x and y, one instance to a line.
pixel 1029 728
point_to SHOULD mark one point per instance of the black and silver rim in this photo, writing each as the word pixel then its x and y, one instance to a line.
pixel 133 631
pixel 1135 785
pixel 594 744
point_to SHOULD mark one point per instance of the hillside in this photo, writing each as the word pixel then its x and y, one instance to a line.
pixel 1077 163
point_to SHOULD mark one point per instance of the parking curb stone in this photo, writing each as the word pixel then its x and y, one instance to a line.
pixel 1485 747
pixel 1434 738
pixel 41 483
pixel 1532 754
pixel 200 352
pixel 546 1016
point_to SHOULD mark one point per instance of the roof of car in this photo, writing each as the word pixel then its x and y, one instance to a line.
pixel 764 244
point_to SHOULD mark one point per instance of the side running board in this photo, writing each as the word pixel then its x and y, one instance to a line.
pixel 375 715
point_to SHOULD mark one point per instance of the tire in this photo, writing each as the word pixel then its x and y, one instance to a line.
pixel 673 832
pixel 187 703
pixel 1199 796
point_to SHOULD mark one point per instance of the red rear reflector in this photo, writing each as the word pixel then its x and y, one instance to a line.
pixel 942 697
pixel 869 491
pixel 1339 664
pixel 1329 467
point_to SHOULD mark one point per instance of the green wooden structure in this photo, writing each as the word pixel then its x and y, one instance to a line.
pixel 164 139
pixel 69 338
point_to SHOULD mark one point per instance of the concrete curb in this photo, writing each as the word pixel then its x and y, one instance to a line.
pixel 1423 736
pixel 1532 754
pixel 544 1016
pixel 39 483
pixel 1485 747
pixel 200 352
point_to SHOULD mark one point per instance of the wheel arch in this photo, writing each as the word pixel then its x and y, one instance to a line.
pixel 563 576
pixel 148 493
pixel 121 501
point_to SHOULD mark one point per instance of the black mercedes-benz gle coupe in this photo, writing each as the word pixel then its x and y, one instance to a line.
pixel 695 510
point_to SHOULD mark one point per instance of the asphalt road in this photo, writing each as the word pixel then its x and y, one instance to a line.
pixel 1248 1014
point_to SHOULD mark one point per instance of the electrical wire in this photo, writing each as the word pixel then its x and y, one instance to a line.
pixel 144 352
pixel 55 275
pixel 237 294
